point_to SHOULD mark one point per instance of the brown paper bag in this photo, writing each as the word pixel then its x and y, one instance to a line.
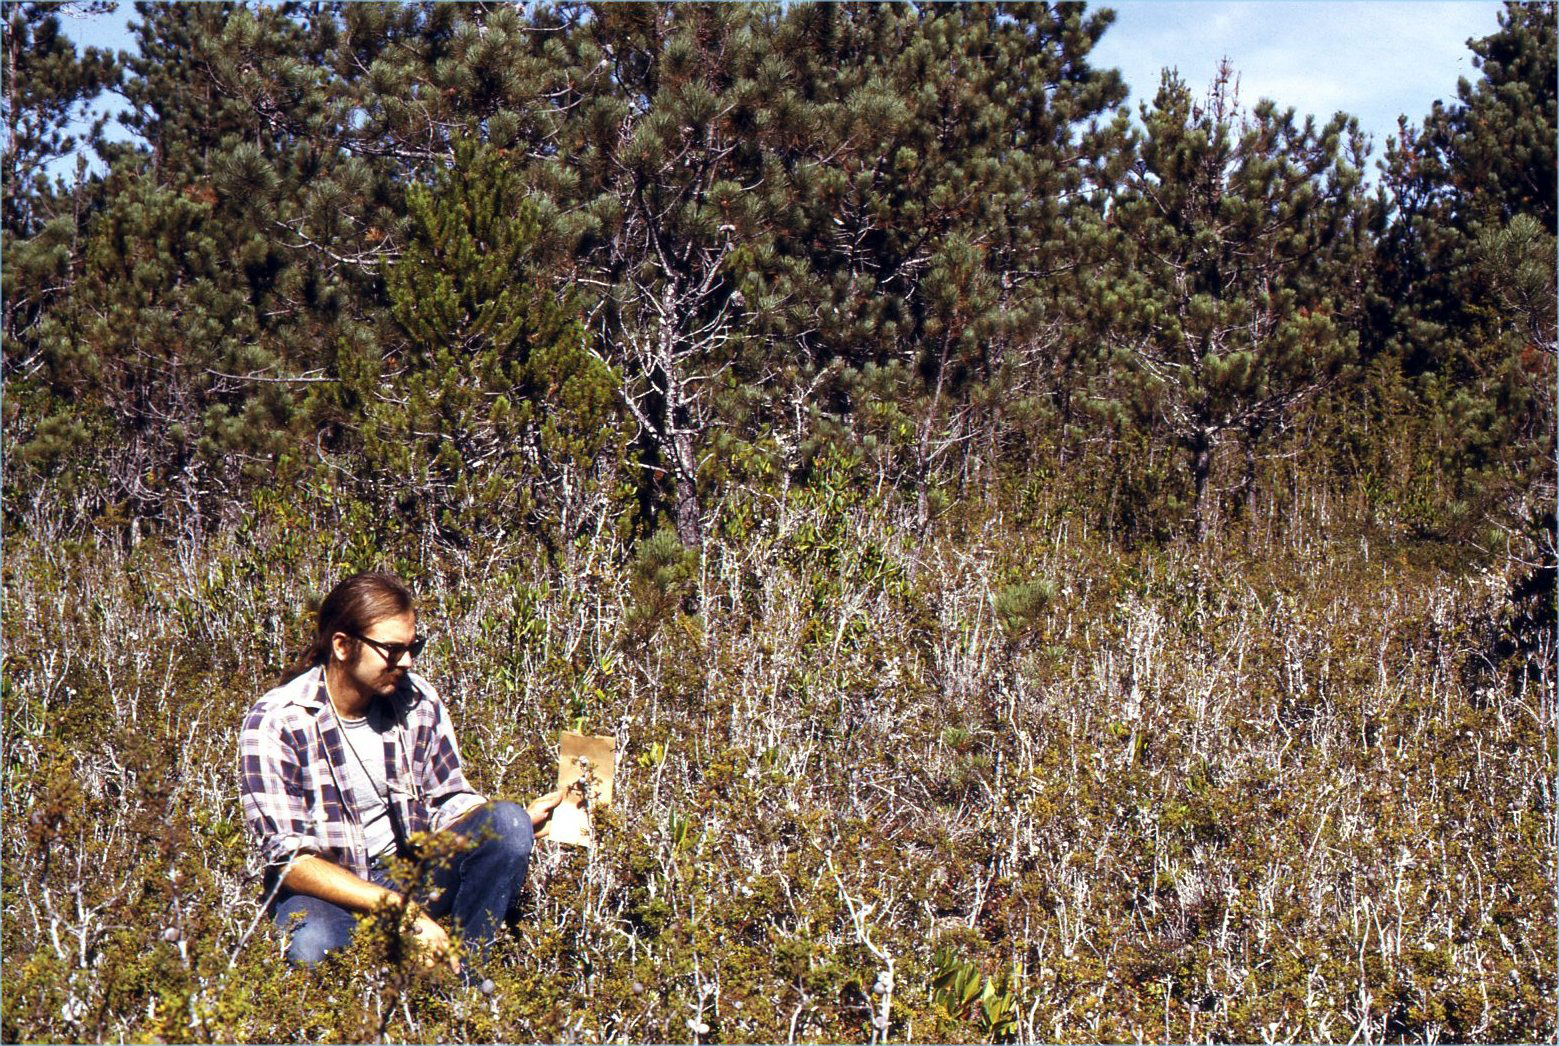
pixel 586 764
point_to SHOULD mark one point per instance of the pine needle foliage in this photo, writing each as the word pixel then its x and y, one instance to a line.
pixel 487 410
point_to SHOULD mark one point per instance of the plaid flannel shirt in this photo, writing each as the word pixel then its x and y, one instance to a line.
pixel 293 796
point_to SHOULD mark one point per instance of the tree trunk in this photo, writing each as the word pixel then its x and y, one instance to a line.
pixel 1064 398
pixel 689 513
pixel 1201 468
pixel 676 433
pixel 1248 484
pixel 923 449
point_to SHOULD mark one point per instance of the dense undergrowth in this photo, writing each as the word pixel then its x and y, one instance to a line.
pixel 1007 779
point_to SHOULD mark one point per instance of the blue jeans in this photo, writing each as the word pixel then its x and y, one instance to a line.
pixel 476 888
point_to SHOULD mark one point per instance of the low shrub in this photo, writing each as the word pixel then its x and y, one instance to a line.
pixel 875 785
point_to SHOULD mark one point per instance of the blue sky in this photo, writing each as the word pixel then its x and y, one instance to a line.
pixel 1375 59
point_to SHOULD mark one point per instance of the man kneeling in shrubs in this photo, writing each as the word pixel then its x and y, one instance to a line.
pixel 346 761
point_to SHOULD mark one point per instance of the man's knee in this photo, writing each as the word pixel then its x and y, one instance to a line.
pixel 500 831
pixel 510 830
pixel 315 928
pixel 311 942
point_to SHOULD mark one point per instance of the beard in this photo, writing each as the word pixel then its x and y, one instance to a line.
pixel 389 681
pixel 376 679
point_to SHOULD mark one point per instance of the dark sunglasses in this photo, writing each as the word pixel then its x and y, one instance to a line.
pixel 393 652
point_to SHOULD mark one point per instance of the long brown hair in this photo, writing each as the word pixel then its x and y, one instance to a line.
pixel 352 607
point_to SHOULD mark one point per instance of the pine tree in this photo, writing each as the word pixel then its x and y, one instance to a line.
pixel 154 393
pixel 1467 279
pixel 47 86
pixel 671 161
pixel 1244 246
pixel 487 412
pixel 165 383
pixel 960 154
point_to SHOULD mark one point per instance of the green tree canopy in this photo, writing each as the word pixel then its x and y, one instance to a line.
pixel 1467 276
pixel 485 411
pixel 1245 249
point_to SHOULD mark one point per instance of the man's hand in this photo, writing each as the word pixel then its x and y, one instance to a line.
pixel 434 943
pixel 317 877
pixel 540 809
